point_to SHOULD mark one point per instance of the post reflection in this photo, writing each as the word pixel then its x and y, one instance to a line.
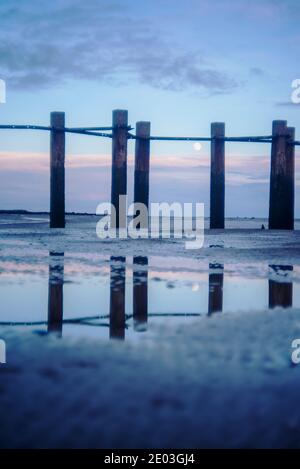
pixel 140 293
pixel 55 292
pixel 215 289
pixel 117 298
pixel 280 293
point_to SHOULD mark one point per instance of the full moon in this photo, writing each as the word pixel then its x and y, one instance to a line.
pixel 197 146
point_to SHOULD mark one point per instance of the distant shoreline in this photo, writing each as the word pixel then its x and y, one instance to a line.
pixel 29 212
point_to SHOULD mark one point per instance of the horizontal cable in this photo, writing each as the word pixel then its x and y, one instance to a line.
pixel 91 128
pixel 126 127
pixel 191 139
pixel 82 131
pixel 267 139
pixel 40 323
pixel 95 131
pixel 187 139
pixel 264 139
pixel 76 129
pixel 25 127
pixel 86 319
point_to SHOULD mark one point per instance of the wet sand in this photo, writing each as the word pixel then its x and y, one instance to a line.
pixel 206 360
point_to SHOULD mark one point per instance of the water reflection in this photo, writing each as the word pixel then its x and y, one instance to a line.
pixel 140 293
pixel 215 288
pixel 280 293
pixel 55 292
pixel 117 321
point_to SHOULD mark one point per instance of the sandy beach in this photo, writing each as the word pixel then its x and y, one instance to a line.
pixel 206 363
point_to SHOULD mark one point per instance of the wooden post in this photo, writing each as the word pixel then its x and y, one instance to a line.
pixel 140 293
pixel 280 293
pixel 57 171
pixel 142 165
pixel 217 176
pixel 215 294
pixel 290 154
pixel 281 209
pixel 117 298
pixel 119 163
pixel 55 294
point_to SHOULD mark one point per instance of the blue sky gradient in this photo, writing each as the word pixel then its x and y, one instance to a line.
pixel 180 64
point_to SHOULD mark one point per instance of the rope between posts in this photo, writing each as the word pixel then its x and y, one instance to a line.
pixel 97 132
pixel 86 320
pixel 260 139
pixel 94 131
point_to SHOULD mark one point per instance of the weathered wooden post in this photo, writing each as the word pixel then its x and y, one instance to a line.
pixel 142 165
pixel 117 298
pixel 290 154
pixel 57 171
pixel 217 176
pixel 281 209
pixel 119 164
pixel 140 292
pixel 55 294
pixel 215 285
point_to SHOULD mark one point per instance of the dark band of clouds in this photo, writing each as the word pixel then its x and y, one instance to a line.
pixel 289 104
pixel 45 43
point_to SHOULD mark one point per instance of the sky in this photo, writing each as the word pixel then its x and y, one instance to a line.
pixel 180 64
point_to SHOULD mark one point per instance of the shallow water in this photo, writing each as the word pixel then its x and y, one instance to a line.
pixel 122 297
pixel 71 283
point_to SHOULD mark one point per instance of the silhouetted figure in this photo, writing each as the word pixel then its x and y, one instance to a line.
pixel 263 227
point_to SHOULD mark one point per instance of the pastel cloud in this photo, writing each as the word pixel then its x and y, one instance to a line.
pixel 35 162
pixel 24 180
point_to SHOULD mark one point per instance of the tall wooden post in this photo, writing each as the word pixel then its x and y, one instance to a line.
pixel 290 155
pixel 281 209
pixel 119 163
pixel 57 171
pixel 217 176
pixel 140 293
pixel 117 298
pixel 142 165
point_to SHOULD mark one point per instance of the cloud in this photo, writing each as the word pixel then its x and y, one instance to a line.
pixel 243 168
pixel 24 180
pixel 289 104
pixel 257 10
pixel 256 72
pixel 43 44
